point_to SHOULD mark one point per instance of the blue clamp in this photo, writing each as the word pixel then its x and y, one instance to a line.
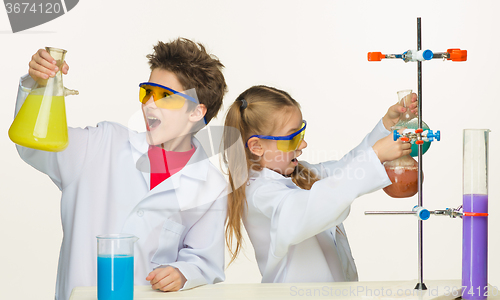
pixel 424 214
pixel 427 54
pixel 415 55
pixel 421 213
pixel 396 135
pixel 431 136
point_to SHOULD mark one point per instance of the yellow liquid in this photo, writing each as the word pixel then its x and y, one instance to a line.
pixel 41 124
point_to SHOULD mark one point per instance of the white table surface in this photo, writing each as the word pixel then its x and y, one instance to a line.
pixel 436 289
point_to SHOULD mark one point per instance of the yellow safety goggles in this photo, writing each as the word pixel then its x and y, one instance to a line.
pixel 286 143
pixel 163 96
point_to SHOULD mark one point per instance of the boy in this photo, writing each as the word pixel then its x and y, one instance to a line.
pixel 158 185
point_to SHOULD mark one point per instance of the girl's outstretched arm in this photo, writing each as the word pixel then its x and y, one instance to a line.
pixel 298 214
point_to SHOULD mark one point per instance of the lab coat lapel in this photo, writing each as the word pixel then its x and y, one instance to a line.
pixel 350 271
pixel 140 148
pixel 191 180
pixel 333 258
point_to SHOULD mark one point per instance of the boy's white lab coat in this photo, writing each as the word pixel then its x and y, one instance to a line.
pixel 294 231
pixel 104 179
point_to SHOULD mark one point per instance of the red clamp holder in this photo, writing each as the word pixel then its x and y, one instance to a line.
pixel 375 56
pixel 473 214
pixel 456 54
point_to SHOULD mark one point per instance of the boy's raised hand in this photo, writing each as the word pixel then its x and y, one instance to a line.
pixel 394 112
pixel 42 66
pixel 387 149
pixel 168 279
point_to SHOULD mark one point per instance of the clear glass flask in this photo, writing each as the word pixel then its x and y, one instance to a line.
pixel 409 120
pixel 115 266
pixel 404 98
pixel 475 228
pixel 41 121
pixel 403 172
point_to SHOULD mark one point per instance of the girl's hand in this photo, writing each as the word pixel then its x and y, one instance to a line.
pixel 42 66
pixel 391 118
pixel 387 149
pixel 168 279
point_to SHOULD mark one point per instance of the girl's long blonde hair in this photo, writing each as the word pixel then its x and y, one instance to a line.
pixel 255 111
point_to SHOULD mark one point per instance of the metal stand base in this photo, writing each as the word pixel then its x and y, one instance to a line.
pixel 421 286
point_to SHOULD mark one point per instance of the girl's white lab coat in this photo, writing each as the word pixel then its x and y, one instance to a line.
pixel 293 230
pixel 104 179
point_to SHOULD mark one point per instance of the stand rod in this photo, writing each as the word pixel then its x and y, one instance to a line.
pixel 420 284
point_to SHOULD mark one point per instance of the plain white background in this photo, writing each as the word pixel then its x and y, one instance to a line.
pixel 315 50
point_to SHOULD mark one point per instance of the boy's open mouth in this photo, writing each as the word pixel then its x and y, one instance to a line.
pixel 294 160
pixel 153 122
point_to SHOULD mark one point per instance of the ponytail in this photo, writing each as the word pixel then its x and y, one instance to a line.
pixel 236 159
pixel 303 177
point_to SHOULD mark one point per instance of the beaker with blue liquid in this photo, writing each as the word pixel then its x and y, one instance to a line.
pixel 115 266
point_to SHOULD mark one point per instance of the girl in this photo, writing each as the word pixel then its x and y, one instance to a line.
pixel 293 211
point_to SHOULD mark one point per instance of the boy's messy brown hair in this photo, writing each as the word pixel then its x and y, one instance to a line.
pixel 194 68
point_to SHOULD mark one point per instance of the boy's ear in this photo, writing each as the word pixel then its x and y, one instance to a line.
pixel 255 146
pixel 198 113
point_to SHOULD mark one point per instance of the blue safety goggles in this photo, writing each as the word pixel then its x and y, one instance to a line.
pixel 164 97
pixel 286 143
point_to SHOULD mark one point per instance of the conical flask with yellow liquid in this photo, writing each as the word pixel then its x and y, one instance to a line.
pixel 41 121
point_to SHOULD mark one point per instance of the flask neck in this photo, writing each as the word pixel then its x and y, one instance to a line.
pixel 55 83
pixel 58 55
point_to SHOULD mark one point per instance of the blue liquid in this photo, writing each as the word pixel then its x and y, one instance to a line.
pixel 115 277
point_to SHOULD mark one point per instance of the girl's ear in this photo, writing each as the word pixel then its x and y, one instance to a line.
pixel 255 146
pixel 198 113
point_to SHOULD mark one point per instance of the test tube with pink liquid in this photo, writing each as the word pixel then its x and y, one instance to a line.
pixel 475 219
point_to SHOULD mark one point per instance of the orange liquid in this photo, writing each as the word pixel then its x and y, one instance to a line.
pixel 41 124
pixel 404 182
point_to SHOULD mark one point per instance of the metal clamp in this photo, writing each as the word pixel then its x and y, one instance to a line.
pixel 415 135
pixel 424 214
pixel 453 54
pixel 450 212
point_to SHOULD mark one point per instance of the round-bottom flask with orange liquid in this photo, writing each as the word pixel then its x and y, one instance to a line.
pixel 403 173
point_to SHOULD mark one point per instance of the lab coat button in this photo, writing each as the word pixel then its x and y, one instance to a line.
pixel 140 213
